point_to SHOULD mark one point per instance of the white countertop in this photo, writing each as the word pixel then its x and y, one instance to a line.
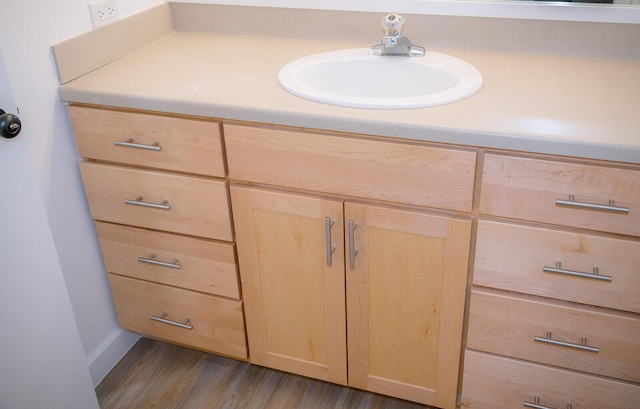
pixel 574 106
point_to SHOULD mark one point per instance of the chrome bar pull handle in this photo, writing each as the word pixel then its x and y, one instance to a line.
pixel 611 207
pixel 164 205
pixel 581 346
pixel 152 260
pixel 352 248
pixel 130 144
pixel 163 319
pixel 535 404
pixel 593 276
pixel 328 223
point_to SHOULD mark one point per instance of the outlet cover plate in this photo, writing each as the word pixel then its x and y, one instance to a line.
pixel 103 12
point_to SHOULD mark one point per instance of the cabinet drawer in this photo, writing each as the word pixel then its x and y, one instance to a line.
pixel 513 258
pixel 381 170
pixel 158 141
pixel 196 206
pixel 528 189
pixel 214 324
pixel 179 261
pixel 517 327
pixel 504 383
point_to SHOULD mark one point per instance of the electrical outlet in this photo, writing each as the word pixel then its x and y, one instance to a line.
pixel 103 12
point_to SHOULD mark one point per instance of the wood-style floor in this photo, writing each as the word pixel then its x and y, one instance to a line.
pixel 158 375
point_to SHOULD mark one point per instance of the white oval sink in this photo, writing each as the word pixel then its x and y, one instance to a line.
pixel 354 78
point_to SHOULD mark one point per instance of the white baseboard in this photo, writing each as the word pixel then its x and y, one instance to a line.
pixel 110 353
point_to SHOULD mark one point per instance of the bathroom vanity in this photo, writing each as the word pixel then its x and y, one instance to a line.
pixel 478 254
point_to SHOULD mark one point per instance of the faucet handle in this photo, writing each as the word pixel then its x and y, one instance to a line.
pixel 392 24
pixel 393 42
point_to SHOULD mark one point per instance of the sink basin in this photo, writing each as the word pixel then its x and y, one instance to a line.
pixel 354 78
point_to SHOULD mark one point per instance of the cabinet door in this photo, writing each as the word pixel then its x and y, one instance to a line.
pixel 294 297
pixel 406 292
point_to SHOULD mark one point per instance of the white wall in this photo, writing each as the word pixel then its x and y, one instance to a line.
pixel 42 360
pixel 27 29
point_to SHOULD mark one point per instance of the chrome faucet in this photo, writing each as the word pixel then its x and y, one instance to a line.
pixel 393 42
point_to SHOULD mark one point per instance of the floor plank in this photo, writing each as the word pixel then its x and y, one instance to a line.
pixel 158 375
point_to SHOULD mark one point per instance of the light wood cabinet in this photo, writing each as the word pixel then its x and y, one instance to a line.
pixel 192 145
pixel 294 300
pixel 184 317
pixel 352 166
pixel 405 302
pixel 514 257
pixel 405 286
pixel 353 254
pixel 492 381
pixel 561 193
pixel 178 203
pixel 572 336
pixel 405 270
pixel 193 263
pixel 155 190
pixel 553 315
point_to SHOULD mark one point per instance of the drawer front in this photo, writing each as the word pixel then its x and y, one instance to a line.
pixel 394 172
pixel 196 206
pixel 214 324
pixel 504 383
pixel 518 327
pixel 514 258
pixel 158 141
pixel 528 189
pixel 179 261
